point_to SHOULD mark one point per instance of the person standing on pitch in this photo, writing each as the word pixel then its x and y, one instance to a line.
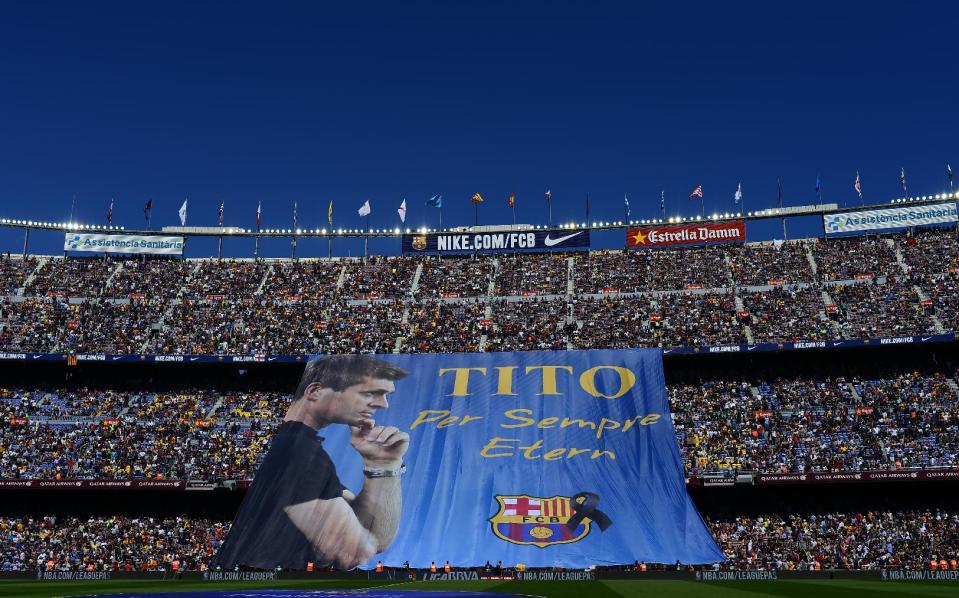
pixel 297 510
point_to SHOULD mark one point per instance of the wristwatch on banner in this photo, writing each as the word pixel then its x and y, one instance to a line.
pixel 385 473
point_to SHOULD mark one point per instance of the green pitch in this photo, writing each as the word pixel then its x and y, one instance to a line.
pixel 548 589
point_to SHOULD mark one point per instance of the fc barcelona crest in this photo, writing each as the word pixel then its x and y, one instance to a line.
pixel 419 242
pixel 542 522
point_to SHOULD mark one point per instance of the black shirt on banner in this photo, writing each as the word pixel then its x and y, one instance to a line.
pixel 296 469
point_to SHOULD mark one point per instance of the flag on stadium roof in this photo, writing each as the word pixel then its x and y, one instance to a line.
pixel 259 205
pixel 858 185
pixel 329 213
pixel 110 212
pixel 147 209
pixel 511 201
pixel 902 180
pixel 402 211
pixel 625 207
pixel 779 193
pixel 365 209
pixel 697 192
pixel 662 204
pixel 435 202
pixel 294 214
pixel 182 213
pixel 819 188
pixel 549 196
pixel 220 217
pixel 738 196
pixel 477 198
pixel 949 174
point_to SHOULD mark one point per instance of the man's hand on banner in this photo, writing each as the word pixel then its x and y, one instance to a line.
pixel 380 446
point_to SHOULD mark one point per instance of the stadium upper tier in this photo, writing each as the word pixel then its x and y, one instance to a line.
pixel 756 424
pixel 849 288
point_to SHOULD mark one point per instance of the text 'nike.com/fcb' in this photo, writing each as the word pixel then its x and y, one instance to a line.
pixel 493 242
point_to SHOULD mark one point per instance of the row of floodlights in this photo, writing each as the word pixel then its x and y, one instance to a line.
pixel 424 230
pixel 60 225
pixel 926 198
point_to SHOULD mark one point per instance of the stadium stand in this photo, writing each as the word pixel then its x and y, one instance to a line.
pixel 763 293
pixel 794 424
pixel 748 420
pixel 849 540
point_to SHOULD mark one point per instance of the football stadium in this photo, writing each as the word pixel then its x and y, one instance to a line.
pixel 790 407
pixel 478 300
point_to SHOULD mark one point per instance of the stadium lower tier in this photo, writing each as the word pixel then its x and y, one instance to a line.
pixel 903 539
pixel 762 424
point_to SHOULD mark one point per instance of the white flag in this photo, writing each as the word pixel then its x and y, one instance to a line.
pixel 365 209
pixel 739 193
pixel 183 213
pixel 402 211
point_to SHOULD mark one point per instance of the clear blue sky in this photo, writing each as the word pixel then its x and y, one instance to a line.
pixel 248 102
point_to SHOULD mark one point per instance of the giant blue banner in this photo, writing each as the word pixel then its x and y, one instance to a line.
pixel 558 458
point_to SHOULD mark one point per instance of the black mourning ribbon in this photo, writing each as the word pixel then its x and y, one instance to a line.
pixel 587 508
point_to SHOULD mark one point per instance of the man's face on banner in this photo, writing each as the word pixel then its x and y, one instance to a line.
pixel 356 405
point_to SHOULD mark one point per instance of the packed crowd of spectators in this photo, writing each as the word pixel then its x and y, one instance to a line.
pixel 930 252
pixel 534 274
pixel 310 306
pixel 699 319
pixel 53 324
pixel 150 279
pixel 943 291
pixel 380 278
pixel 866 540
pixel 455 277
pixel 303 279
pixel 786 314
pixel 372 327
pixel 848 258
pixel 616 322
pixel 14 272
pixel 802 425
pixel 874 310
pixel 665 269
pixel 123 448
pixel 251 326
pixel 224 278
pixel 808 541
pixel 529 325
pixel 74 277
pixel 91 433
pixel 776 425
pixel 115 543
pixel 453 326
pixel 773 263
